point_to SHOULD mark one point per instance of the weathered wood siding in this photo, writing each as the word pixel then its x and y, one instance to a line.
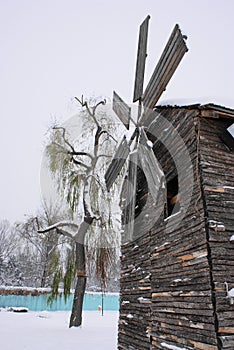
pixel 135 312
pixel 217 170
pixel 172 276
pixel 182 308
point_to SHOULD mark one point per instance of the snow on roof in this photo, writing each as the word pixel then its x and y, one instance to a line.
pixel 207 106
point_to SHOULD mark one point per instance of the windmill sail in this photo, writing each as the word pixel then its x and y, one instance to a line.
pixel 117 163
pixel 130 198
pixel 122 110
pixel 141 57
pixel 149 164
pixel 169 61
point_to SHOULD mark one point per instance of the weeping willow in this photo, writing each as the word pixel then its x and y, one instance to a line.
pixel 74 164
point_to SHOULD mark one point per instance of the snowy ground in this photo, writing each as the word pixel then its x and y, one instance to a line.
pixel 49 331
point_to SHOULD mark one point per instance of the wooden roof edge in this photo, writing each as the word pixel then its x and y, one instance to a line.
pixel 206 110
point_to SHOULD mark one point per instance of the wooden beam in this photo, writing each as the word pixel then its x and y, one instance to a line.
pixel 141 57
pixel 169 61
pixel 117 163
pixel 121 109
pixel 226 330
pixel 130 198
pixel 214 189
pixel 151 168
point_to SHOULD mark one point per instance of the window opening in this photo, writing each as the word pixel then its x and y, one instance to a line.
pixel 173 204
pixel 228 137
pixel 141 192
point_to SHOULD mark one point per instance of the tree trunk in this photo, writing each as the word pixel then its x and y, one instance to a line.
pixel 43 279
pixel 76 315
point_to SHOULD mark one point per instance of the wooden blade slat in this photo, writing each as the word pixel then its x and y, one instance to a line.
pixel 130 198
pixel 169 61
pixel 117 163
pixel 152 170
pixel 141 57
pixel 122 110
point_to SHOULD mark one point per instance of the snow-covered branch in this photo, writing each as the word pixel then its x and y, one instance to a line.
pixel 60 226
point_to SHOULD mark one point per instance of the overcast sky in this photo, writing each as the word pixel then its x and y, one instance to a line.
pixel 53 50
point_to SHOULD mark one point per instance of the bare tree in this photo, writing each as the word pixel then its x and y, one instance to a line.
pixel 7 242
pixel 38 254
pixel 8 250
pixel 79 169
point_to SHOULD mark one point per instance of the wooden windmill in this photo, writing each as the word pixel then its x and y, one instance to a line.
pixel 139 149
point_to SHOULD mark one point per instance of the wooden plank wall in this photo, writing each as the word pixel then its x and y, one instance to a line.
pixel 182 308
pixel 135 312
pixel 217 167
pixel 172 280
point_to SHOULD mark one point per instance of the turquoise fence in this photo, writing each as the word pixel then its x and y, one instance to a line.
pixel 39 302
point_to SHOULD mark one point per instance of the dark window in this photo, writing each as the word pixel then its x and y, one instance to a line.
pixel 141 191
pixel 228 137
pixel 173 204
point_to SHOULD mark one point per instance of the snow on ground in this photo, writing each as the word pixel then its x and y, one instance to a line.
pixel 49 331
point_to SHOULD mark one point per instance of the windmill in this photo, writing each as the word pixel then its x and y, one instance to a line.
pixel 138 150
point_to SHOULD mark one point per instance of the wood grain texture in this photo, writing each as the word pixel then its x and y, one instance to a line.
pixel 121 109
pixel 141 57
pixel 169 61
pixel 172 279
pixel 117 163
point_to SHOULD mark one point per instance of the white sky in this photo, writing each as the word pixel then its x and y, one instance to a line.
pixel 53 50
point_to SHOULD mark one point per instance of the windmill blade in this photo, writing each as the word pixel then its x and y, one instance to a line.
pixel 129 215
pixel 117 163
pixel 152 170
pixel 141 57
pixel 169 61
pixel 122 110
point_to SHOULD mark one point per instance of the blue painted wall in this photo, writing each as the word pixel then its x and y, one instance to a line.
pixel 39 303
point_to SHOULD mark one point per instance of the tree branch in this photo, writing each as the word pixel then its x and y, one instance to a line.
pixel 65 233
pixel 73 152
pixel 91 113
pixel 76 153
pixel 103 102
pixel 77 162
pixel 85 104
pixel 107 132
pixel 59 225
pixel 103 155
pixel 63 135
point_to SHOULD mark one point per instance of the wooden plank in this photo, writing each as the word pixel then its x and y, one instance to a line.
pixel 152 169
pixel 170 59
pixel 121 109
pixel 141 57
pixel 226 330
pixel 227 341
pixel 194 255
pixel 214 189
pixel 130 198
pixel 117 163
pixel 202 346
pixel 180 294
pixel 197 345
